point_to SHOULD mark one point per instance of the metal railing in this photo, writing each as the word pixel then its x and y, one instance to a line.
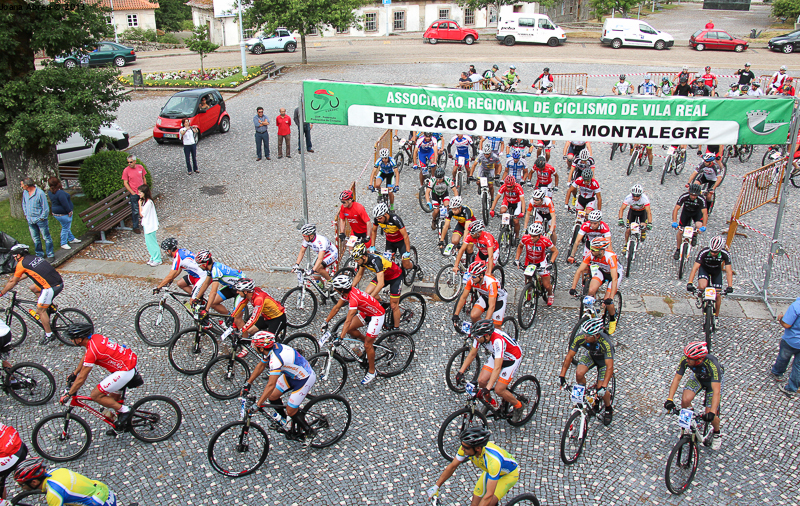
pixel 760 186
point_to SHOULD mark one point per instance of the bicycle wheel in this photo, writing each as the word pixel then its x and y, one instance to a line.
pixel 441 160
pixel 410 274
pixel 575 329
pixel 394 352
pixel 399 161
pixel 336 331
pixel 528 391
pixel 238 449
pixel 708 323
pixel 553 275
pixel 156 323
pixel 66 317
pixel 680 162
pixel 524 500
pixel 573 437
pixel 527 305
pixel 613 150
pixel 794 177
pixel 505 245
pixel 448 284
pixel 191 350
pixel 223 377
pixel 19 330
pixel 31 384
pixel 413 310
pixel 448 438
pixel 667 167
pixel 510 327
pixel 155 418
pixel 722 173
pixel 745 152
pixel 575 230
pixel 499 273
pixel 617 309
pixel 454 364
pixel 459 182
pixel 632 161
pixel 726 154
pixel 683 259
pixel 329 417
pixel 485 207
pixel 422 202
pixel 304 343
pixel 331 372
pixel 642 158
pixel 300 305
pixel 61 437
pixel 681 465
pixel 30 498
pixel 629 257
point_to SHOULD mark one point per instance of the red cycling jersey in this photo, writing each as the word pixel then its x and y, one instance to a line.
pixel 356 216
pixel 109 355
pixel 484 241
pixel 10 442
pixel 586 191
pixel 544 176
pixel 512 194
pixel 501 345
pixel 590 233
pixel 535 252
pixel 709 79
pixel 366 304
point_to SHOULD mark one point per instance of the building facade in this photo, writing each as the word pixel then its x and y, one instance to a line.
pixel 132 14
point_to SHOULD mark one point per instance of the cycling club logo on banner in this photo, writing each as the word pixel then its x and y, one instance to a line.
pixel 757 123
pixel 324 99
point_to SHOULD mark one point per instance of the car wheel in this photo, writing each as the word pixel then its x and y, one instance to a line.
pixel 700 47
pixel 159 140
pixel 3 181
pixel 119 61
pixel 258 49
pixel 553 42
pixel 433 41
pixel 290 47
pixel 788 48
pixel 739 48
pixel 616 43
pixel 224 125
pixel 509 40
pixel 469 39
pixel 660 44
pixel 104 146
pixel 70 64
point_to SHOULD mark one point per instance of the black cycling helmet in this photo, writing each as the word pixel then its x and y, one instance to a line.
pixel 665 79
pixel 684 79
pixel 80 330
pixel 587 174
pixel 694 189
pixel 475 437
pixel 169 244
pixel 20 249
pixel 541 162
pixel 546 69
pixel 439 174
pixel 482 327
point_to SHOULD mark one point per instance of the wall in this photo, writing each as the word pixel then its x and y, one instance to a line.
pixel 145 18
pixel 568 10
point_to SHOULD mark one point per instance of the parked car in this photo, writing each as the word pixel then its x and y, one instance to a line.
pixel 281 40
pixel 76 148
pixel 447 29
pixel 716 39
pixel 618 32
pixel 186 104
pixel 516 27
pixel 106 52
pixel 788 42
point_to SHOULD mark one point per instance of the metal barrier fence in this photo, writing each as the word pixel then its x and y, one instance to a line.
pixel 565 84
pixel 760 186
pixel 384 141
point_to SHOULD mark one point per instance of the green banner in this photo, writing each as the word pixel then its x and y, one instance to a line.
pixel 641 119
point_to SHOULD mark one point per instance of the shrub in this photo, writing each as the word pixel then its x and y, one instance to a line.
pixel 140 34
pixel 187 25
pixel 101 174
pixel 169 38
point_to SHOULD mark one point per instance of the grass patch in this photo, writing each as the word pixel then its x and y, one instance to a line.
pixel 179 81
pixel 18 229
pixel 583 35
pixel 657 314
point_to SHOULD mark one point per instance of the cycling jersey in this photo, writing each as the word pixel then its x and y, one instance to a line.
pixel 637 205
pixel 732 94
pixel 64 487
pixel 545 209
pixel 287 361
pixel 510 77
pixel 484 242
pixel 487 163
pixel 666 89
pixel 494 461
pixel 600 350
pixel 777 80
pixel 10 443
pixel 466 216
pixel 184 259
pixel 501 345
pixel 489 287
pixel 495 142
pixel 587 191
pixel 755 92
pixel 623 88
pixel 683 90
pixel 356 216
pixel 577 143
pixel 708 372
pixel 320 243
pixel 385 167
pixel 606 263
pixel 391 228
pixel 511 194
pixel 709 79
pixel 544 176
pixel 265 306
pixel 440 189
pixel 225 275
pixel 519 143
pixel 516 168
pixel 590 233
pixel 535 252
pixel 364 303
pixel 690 206
pixel 379 263
pixel 646 88
pixel 713 261
pixel 701 91
pixel 109 355
pixel 39 270
pixel 545 79
pixel 462 146
pixel 426 146
pixel 706 172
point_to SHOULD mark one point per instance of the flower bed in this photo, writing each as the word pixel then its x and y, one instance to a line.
pixel 214 77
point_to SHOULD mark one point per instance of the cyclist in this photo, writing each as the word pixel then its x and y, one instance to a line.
pixel 593 227
pixel 513 202
pixel 510 79
pixel 464 218
pixel 622 87
pixel 47 284
pixel 778 78
pixel 288 371
pixel 437 194
pixel 683 89
pixel 326 252
pixel 734 91
pixel 521 145
pixel 665 89
pixel 489 164
pixel 397 240
pixel 545 77
pixel 573 149
pixel 219 274
pixel 710 80
pixel 386 273
pixel 364 309
pixel 708 266
pixel 62 486
pixel 584 161
pixel 694 211
pixel 755 90
pixel 385 170
pixel 639 211
pixel 495 374
pixel 463 145
pixel 743 90
pixel 115 358
pixel 745 75
pixel 536 247
pixel 488 249
pixel 608 270
pixel 708 376
pixel 353 213
pixel 490 78
pixel 546 176
pixel 684 73
pixel 543 211
pixel 700 89
pixel 706 173
pixel 268 314
pixel 587 190
pixel 649 151
pixel 515 166
pixel 787 88
pixel 12 452
pixel 646 87
pixel 600 354
pixel 427 155
pixel 182 260
pixel 491 297
pixel 497 144
pixel 499 473
pixel 580 90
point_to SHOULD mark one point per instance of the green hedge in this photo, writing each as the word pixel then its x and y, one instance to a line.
pixel 101 174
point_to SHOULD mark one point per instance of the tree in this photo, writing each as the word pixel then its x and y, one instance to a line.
pixel 40 108
pixel 171 13
pixel 602 7
pixel 198 42
pixel 788 9
pixel 304 16
pixel 485 4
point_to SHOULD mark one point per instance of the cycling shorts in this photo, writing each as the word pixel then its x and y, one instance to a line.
pixel 585 203
pixel 459 229
pixel 695 386
pixel 329 258
pixel 438 200
pixel 515 208
pixel 48 294
pixel 499 307
pixel 394 285
pixel 487 173
pixel 116 381
pixel 227 293
pixel 509 368
pixel 374 325
pixel 705 183
pixel 714 277
pixel 396 247
pixel 299 388
pixel 363 239
pixel 273 325
pixel 485 258
pixel 386 177
pixel 504 484
pixel 190 280
pixel 601 275
pixel 425 157
pixel 575 150
pixel 687 219
pixel 590 363
pixel 637 215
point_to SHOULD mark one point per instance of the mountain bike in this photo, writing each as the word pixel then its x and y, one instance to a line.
pixel 592 307
pixel 486 199
pixel 675 161
pixel 616 146
pixel 534 290
pixel 637 156
pixel 413 310
pixel 706 301
pixel 686 247
pixel 37 498
pixel 448 284
pixel 773 153
pixel 383 192
pixel 157 322
pixel 460 173
pixel 300 303
pixel 585 407
pixel 66 436
pixel 405 153
pixel 580 219
pixel 240 448
pixel 773 176
pixel 29 383
pixel 633 245
pixel 60 319
pixel 526 499
pixel 506 239
pixel 684 458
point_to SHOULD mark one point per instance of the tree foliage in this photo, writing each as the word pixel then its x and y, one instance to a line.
pixel 485 4
pixel 40 108
pixel 603 7
pixel 171 13
pixel 789 9
pixel 198 42
pixel 101 174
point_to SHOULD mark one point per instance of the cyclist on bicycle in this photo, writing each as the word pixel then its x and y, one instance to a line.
pixel 498 146
pixel 427 155
pixel 593 227
pixel 573 149
pixel 706 174
pixel 491 297
pixel 499 473
pixel 602 265
pixel 708 376
pixel 622 87
pixel 62 486
pixel 488 248
pixel 326 252
pixel 463 145
pixel 665 89
pixel 755 90
pixel 182 260
pixel 490 79
pixel 544 145
pixel 647 87
pixel 584 161
pixel 700 89
pixel 268 314
pixel 219 274
pixel 708 266
pixel 489 164
pixel 464 218
pixel 683 74
pixel 543 211
pixel 734 91
pixel 385 170
pixel 12 452
pixel 510 79
pixel 694 211
pixel 639 211
pixel 710 80
pixel 397 240
pixel 521 145
pixel 353 213
pixel 545 78
pixel 115 358
pixel 600 354
pixel 546 176
pixel 587 190
pixel 364 309
pixel 47 284
pixel 437 194
pixel 515 166
pixel 683 88
pixel 536 248
pixel 648 150
pixel 513 202
pixel 386 273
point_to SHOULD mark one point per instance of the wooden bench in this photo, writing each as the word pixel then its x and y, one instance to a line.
pixel 67 174
pixel 107 213
pixel 271 69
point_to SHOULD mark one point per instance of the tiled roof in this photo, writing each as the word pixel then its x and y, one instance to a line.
pixel 202 4
pixel 130 5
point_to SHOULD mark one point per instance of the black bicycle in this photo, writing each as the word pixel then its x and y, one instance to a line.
pixel 586 406
pixel 29 383
pixel 685 455
pixel 60 319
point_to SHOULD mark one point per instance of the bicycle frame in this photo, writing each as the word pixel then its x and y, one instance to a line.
pixel 246 416
pixel 20 304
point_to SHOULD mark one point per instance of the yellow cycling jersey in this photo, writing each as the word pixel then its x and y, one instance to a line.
pixel 495 461
pixel 64 487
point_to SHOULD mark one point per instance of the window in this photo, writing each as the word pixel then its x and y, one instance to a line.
pixel 106 47
pixel 545 24
pixel 646 29
pixel 399 21
pixel 469 16
pixel 371 22
pixel 723 36
pixel 526 22
pixel 444 13
pixel 133 20
pixel 518 8
pixel 343 30
pixel 711 35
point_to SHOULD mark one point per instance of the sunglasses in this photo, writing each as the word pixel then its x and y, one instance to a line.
pixel 597 250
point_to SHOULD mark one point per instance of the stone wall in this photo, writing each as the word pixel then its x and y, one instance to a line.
pixel 138 45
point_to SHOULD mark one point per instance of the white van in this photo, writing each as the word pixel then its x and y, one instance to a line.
pixel 529 27
pixel 620 32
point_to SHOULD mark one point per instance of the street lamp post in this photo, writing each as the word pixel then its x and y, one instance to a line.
pixel 241 42
pixel 114 23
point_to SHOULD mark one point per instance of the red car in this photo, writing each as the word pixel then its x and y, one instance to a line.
pixel 186 104
pixel 447 29
pixel 716 39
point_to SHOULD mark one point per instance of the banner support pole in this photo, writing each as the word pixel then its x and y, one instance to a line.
pixel 301 132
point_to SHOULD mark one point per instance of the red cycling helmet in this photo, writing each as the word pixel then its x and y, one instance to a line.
pixel 30 469
pixel 696 350
pixel 510 180
pixel 346 195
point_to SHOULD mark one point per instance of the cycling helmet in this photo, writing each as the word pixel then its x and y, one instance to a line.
pixel 512 67
pixel 647 77
pixel 510 180
pixel 734 85
pixel 546 69
pixel 359 250
pixel 783 67
pixel 346 195
pixel 495 67
pixel 708 67
pixel 665 79
pixel 487 148
pixel 684 79
pixel 583 155
pixel 263 339
pixel 709 157
pixel 482 327
pixel 592 326
pixel 427 134
pixel 599 243
pixel 477 227
pixel 383 153
pixel 696 350
pixel 244 285
pixel 538 194
pixel 475 437
pixel 716 243
pixel 308 229
pixel 540 162
pixel 19 249
pixel 455 202
pixel 595 215
pixel 622 77
pixel 30 469
pixel 80 330
pixel 579 87
pixel 587 174
pixel 694 189
pixel 698 79
pixel 342 282
pixel 744 87
pixel 516 154
pixel 755 84
pixel 379 210
pixel 535 228
pixel 439 174
pixel 477 268
pixel 685 67
pixel 169 244
pixel 203 257
pixel 637 190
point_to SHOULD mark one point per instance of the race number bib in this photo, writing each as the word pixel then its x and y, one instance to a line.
pixel 484 181
pixel 530 269
pixel 461 161
pixel 688 232
pixel 506 218
pixel 710 294
pixel 578 391
pixel 685 418
pixel 595 270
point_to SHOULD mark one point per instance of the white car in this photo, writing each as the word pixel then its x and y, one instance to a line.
pixel 76 148
pixel 281 40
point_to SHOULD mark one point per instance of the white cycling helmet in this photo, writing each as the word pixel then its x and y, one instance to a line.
pixel 592 326
pixel 535 229
pixel 455 202
pixel 637 190
pixel 383 153
pixel 379 210
pixel 342 282
pixel 583 155
pixel 487 148
pixel 538 194
pixel 716 244
pixel 308 229
pixel 595 215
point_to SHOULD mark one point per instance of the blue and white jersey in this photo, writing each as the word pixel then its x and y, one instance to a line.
pixel 495 142
pixel 516 168
pixel 647 88
pixel 385 168
pixel 225 275
pixel 462 146
pixel 285 360
pixel 184 259
pixel 426 147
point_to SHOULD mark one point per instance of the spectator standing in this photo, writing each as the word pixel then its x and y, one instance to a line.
pixel 36 210
pixel 133 176
pixel 61 207
pixel 710 25
pixel 284 124
pixel 147 211
pixel 789 349
pixel 745 75
pixel 306 131
pixel 189 134
pixel 261 123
